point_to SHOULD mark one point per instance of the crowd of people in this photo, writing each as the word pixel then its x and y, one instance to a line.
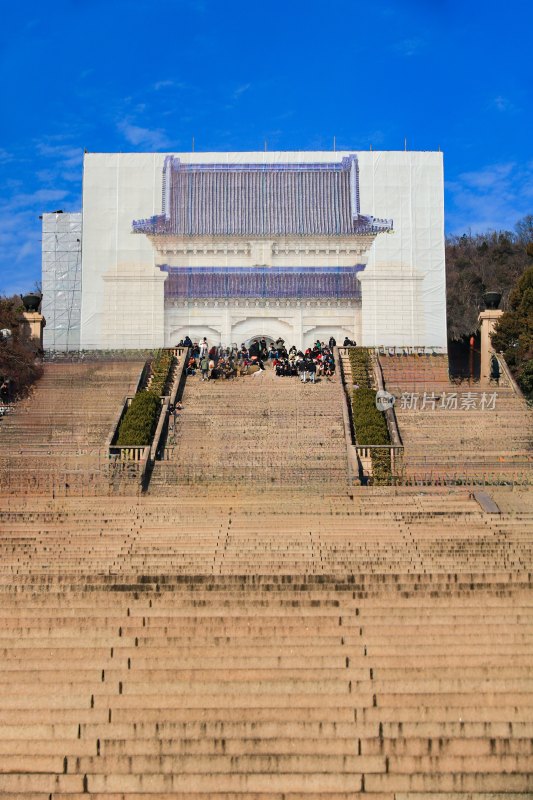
pixel 230 362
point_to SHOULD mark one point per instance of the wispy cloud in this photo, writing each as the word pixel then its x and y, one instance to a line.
pixel 20 233
pixel 20 243
pixel 236 95
pixel 492 198
pixel 63 155
pixel 168 84
pixel 240 90
pixel 37 199
pixel 487 177
pixel 150 138
pixel 502 104
pixel 409 47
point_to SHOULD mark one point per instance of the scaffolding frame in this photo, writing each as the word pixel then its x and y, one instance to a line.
pixel 61 280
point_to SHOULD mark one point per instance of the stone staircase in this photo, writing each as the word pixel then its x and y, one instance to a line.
pixel 258 429
pixel 282 645
pixel 255 628
pixel 56 438
pixel 458 433
pixel 413 373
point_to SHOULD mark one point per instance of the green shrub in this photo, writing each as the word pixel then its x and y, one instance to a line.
pixel 361 366
pixel 369 423
pixel 140 420
pixel 160 371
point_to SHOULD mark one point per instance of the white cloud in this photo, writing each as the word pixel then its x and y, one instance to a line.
pixel 37 199
pixel 240 90
pixel 485 178
pixel 20 244
pixel 492 198
pixel 168 84
pixel 502 104
pixel 409 47
pixel 62 155
pixel 20 236
pixel 150 138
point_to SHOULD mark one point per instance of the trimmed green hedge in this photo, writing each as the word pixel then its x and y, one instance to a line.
pixel 140 420
pixel 361 366
pixel 369 423
pixel 160 372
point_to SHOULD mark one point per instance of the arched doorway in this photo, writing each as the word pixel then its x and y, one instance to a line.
pixel 268 339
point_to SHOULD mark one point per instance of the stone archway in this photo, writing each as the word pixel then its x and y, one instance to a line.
pixel 257 327
pixel 269 339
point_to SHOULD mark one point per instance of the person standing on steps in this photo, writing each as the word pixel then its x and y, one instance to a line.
pixel 332 342
pixel 204 367
pixel 203 347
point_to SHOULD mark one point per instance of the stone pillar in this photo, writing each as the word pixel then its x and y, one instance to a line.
pixel 226 332
pixel 34 325
pixel 487 321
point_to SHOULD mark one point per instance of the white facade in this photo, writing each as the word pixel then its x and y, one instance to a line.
pixel 400 299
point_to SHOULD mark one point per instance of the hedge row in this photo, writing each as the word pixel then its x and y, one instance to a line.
pixel 369 423
pixel 160 372
pixel 140 420
pixel 361 366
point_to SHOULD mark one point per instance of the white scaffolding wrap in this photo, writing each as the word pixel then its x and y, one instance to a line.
pixel 61 280
pixel 376 217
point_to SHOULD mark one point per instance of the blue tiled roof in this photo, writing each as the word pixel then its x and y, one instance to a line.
pixel 260 200
pixel 263 282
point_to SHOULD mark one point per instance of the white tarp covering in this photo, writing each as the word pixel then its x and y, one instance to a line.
pixel 401 271
pixel 61 280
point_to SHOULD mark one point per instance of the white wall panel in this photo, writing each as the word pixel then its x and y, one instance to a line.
pixel 403 284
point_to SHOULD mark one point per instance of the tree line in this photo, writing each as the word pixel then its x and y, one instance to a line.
pixel 483 262
pixel 500 262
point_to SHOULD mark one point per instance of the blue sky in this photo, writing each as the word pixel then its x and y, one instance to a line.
pixel 134 75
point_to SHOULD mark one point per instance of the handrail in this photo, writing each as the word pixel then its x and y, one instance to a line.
pixel 143 377
pixel 145 454
pixel 509 375
pixel 396 448
pixel 390 415
pixel 351 454
pixel 177 388
pixel 128 452
pixel 113 433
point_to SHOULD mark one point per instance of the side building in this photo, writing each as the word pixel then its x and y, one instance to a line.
pixel 230 246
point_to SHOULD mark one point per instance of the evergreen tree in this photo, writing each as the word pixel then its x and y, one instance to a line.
pixel 513 335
